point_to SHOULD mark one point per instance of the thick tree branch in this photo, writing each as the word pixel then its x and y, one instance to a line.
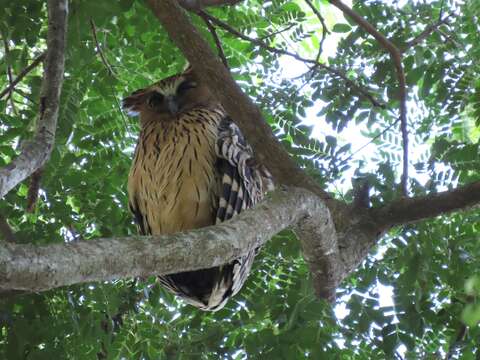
pixel 247 116
pixel 37 152
pixel 405 211
pixel 320 249
pixel 37 268
pixel 331 254
pixel 22 74
pixel 396 56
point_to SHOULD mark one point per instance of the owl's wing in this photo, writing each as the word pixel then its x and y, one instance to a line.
pixel 242 186
pixel 242 182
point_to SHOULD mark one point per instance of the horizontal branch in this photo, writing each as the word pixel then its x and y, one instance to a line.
pixel 37 152
pixel 245 113
pixel 38 268
pixel 409 210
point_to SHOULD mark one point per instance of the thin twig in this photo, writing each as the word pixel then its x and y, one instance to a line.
pixel 278 51
pixel 99 49
pixel 324 27
pixel 22 74
pixel 396 56
pixel 425 33
pixel 268 36
pixel 214 34
pixel 449 38
pixel 9 75
pixel 372 140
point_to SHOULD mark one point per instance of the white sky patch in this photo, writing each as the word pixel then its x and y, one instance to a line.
pixel 385 295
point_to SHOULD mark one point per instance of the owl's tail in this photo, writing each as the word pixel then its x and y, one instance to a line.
pixel 210 289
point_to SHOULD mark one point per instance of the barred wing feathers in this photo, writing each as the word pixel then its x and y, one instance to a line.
pixel 242 188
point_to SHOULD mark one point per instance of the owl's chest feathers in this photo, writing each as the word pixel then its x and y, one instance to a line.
pixel 173 177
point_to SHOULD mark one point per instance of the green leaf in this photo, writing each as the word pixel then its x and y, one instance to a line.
pixel 341 28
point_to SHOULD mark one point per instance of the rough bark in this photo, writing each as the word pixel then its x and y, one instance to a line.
pixel 409 210
pixel 320 249
pixel 37 152
pixel 38 268
pixel 332 252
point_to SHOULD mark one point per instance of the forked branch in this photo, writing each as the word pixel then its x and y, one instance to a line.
pixel 409 210
pixel 37 152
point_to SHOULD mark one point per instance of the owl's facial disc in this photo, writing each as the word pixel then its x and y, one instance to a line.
pixel 161 103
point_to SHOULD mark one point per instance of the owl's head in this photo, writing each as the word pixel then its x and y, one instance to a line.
pixel 169 97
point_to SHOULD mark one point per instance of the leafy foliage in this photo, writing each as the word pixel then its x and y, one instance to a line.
pixel 431 268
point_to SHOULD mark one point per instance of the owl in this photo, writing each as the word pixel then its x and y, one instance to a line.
pixel 192 168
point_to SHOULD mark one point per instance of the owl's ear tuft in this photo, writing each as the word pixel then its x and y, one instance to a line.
pixel 132 104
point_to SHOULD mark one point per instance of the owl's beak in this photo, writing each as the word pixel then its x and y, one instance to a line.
pixel 172 105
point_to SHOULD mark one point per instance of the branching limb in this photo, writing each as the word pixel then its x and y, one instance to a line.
pixel 409 210
pixel 315 63
pixel 37 152
pixel 396 56
pixel 22 74
pixel 320 249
